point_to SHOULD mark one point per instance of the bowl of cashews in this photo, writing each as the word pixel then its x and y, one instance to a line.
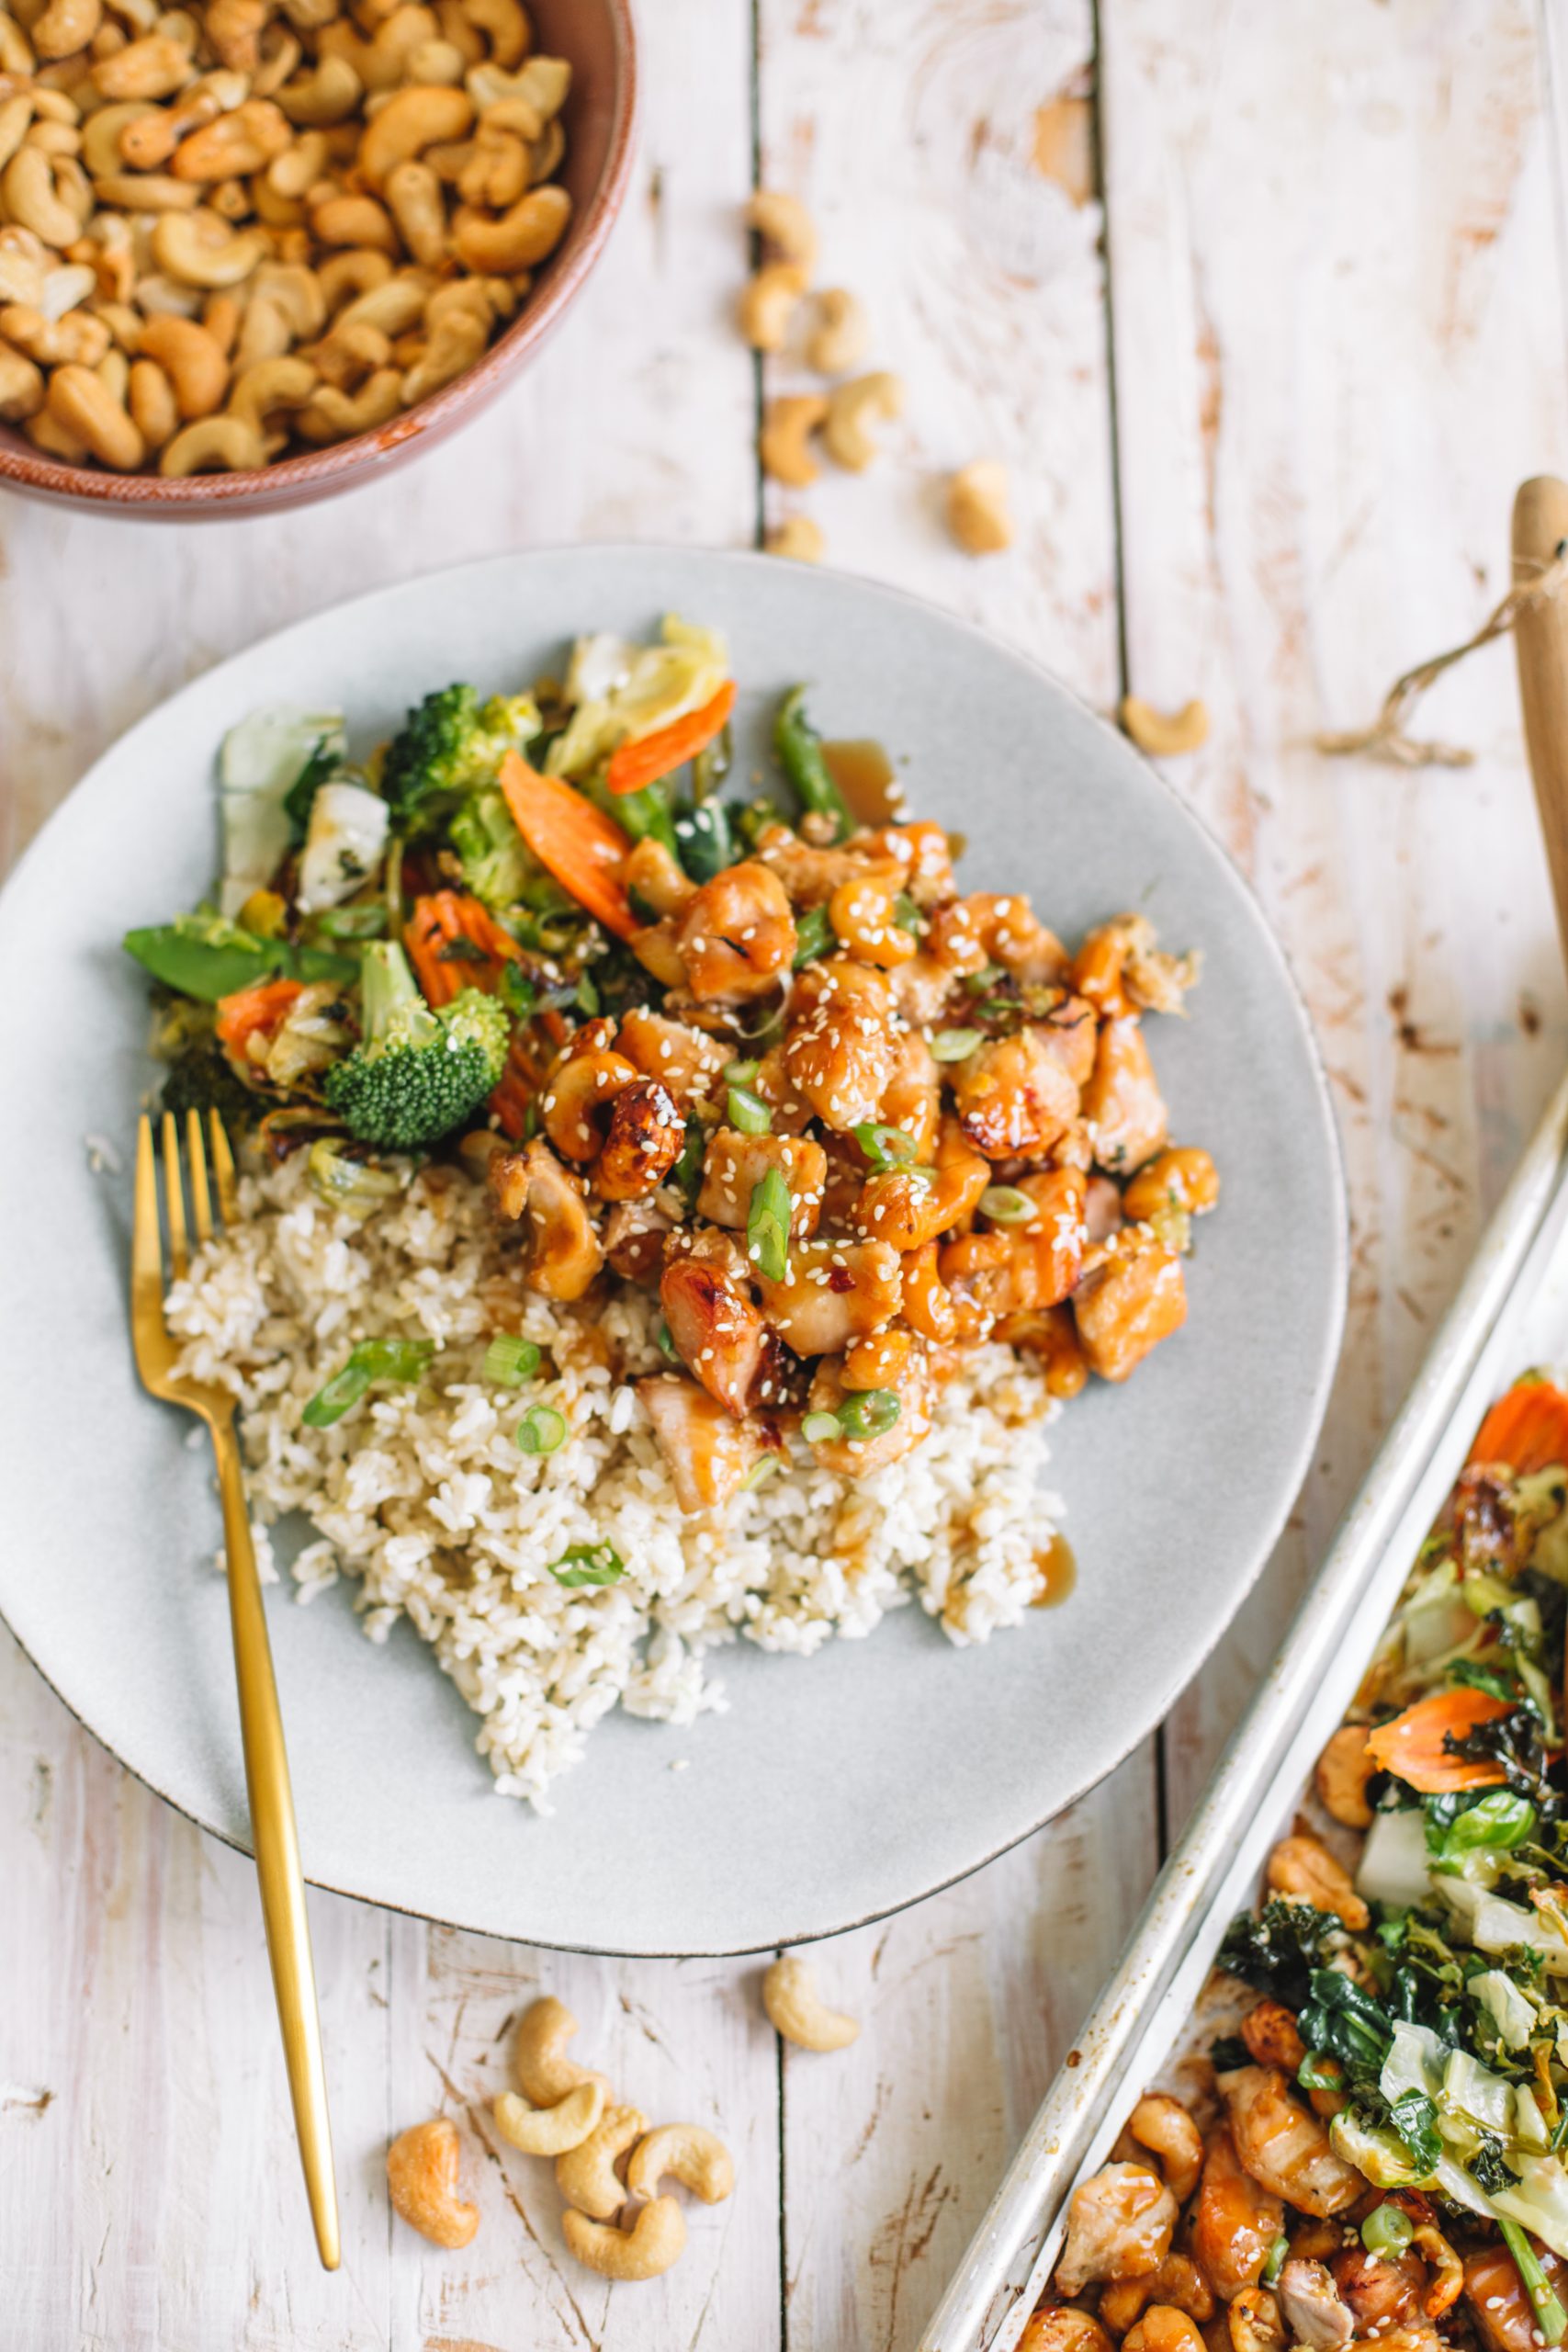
pixel 253 252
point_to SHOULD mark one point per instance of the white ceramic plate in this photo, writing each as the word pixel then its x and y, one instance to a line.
pixel 835 1788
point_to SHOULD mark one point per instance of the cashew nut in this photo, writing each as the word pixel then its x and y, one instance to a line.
pixel 146 192
pixel 1341 1775
pixel 543 2072
pixel 65 27
pixel 82 404
pixel 332 415
pixel 21 385
pixel 346 356
pixel 412 121
pixel 45 432
pixel 326 94
pixel 193 361
pixel 978 507
pixel 789 1996
pixel 344 275
pixel 246 140
pixel 655 2241
pixel 16 52
pixel 220 315
pixel 784 226
pixel 436 60
pixel 300 167
pixel 586 2175
pixel 839 339
pixel 550 2131
pixel 154 67
pixel 505 27
pixel 234 28
pixel 1162 733
pixel 394 306
pixel 698 2160
pixel 784 444
pixel 455 344
pixel 852 408
pixel 767 303
pixel 272 384
pixel 74 340
pixel 1301 1868
pixel 421 2179
pixel 213 445
pixel 22 271
pixel 200 249
pixel 16 113
pixel 797 536
pixel 48 194
pixel 62 288
pixel 496 173
pixel 151 400
pixel 413 195
pixel 520 239
pixel 299 293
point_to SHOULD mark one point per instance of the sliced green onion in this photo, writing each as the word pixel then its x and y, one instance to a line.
pixel 1550 2317
pixel 531 1118
pixel 885 1147
pixel 666 1345
pixel 587 997
pixel 687 1174
pixel 1387 2230
pixel 1005 1204
pixel 518 994
pixel 906 915
pixel 767 1227
pixel 541 1431
pixel 363 922
pixel 1279 2255
pixel 813 936
pixel 760 1472
pixel 371 1360
pixel 509 1361
pixel 868 1412
pixel 741 1073
pixel 820 1429
pixel 749 1112
pixel 976 983
pixel 588 1563
pixel 955 1045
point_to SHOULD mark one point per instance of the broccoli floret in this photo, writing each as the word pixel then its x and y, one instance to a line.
pixel 450 746
pixel 497 867
pixel 202 1078
pixel 415 1074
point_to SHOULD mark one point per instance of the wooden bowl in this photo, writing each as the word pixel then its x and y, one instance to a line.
pixel 598 38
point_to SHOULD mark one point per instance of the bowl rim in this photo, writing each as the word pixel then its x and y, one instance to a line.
pixel 295 481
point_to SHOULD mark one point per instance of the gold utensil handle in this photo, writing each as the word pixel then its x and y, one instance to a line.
pixel 1540 637
pixel 278 1852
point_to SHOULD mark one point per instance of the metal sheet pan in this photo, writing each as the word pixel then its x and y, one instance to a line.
pixel 1511 1312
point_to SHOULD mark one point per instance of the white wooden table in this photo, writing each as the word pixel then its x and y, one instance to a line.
pixel 1264 412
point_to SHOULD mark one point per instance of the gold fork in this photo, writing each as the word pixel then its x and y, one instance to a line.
pixel 261 1725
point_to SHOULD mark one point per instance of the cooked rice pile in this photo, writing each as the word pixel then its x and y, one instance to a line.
pixel 422 1494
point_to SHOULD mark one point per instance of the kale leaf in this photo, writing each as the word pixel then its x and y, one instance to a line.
pixel 1277 1952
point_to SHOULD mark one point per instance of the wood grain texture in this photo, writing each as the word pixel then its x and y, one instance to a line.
pixel 1340 339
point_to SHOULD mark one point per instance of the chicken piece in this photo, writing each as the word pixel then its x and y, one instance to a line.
pixel 911 1099
pixel 1312 2306
pixel 1051 1335
pixel 835 1293
pixel 634 1237
pixel 1163 2125
pixel 1014 1098
pixel 1118 2226
pixel 1501 2312
pixel 1381 2290
pixel 811 876
pixel 687 1061
pixel 1283 2144
pixel 924 855
pixel 657 878
pixel 735 1164
pixel 717 1331
pixel 1046 1256
pixel 1303 1870
pixel 1133 1298
pixel 927 1307
pixel 1102 1210
pixel 974 1267
pixel 1235 2222
pixel 790 1110
pixel 987 928
pixel 564 1254
pixel 1120 969
pixel 841 1050
pixel 645 1138
pixel 906 1376
pixel 922 989
pixel 1070 1033
pixel 1122 1103
pixel 1272 2036
pixel 1062 2327
pixel 1178 2281
pixel 1164 2329
pixel 709 1453
pixel 658 949
pixel 737 937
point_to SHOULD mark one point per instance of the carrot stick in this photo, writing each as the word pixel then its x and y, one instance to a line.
pixel 440 920
pixel 1412 1745
pixel 670 747
pixel 263 1006
pixel 575 842
pixel 1526 1431
pixel 515 1091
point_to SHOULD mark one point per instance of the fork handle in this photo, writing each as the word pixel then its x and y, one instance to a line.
pixel 277 1852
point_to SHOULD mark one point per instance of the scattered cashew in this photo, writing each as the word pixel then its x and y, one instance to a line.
pixel 550 2131
pixel 784 226
pixel 785 442
pixel 768 303
pixel 82 404
pixel 1162 733
pixel 797 536
pixel 1341 1775
pixel 655 2241
pixel 543 2072
pixel 213 445
pixel 421 2179
pixel 586 2175
pixel 695 2158
pixel 853 409
pixel 789 1996
pixel 839 338
pixel 978 507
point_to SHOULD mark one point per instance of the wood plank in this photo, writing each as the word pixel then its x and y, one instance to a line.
pixel 1339 342
pixel 146 2158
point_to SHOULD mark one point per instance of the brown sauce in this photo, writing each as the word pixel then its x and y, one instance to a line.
pixel 863 773
pixel 1058 1572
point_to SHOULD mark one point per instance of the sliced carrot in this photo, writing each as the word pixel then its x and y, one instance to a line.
pixel 582 847
pixel 441 920
pixel 517 1090
pixel 1412 1745
pixel 261 1007
pixel 670 747
pixel 1526 1430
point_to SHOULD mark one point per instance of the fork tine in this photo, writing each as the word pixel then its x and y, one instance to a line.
pixel 223 1171
pixel 146 1257
pixel 201 1199
pixel 174 1200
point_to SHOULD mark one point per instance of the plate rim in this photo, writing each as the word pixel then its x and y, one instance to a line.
pixel 744 559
